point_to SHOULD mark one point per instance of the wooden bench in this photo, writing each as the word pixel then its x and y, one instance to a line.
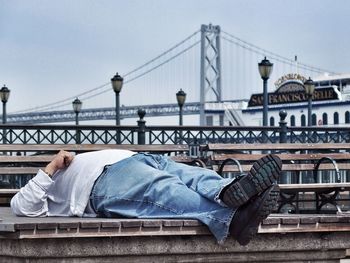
pixel 23 161
pixel 297 158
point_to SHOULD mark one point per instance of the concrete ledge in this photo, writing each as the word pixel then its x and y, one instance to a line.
pixel 292 247
pixel 66 227
pixel 281 238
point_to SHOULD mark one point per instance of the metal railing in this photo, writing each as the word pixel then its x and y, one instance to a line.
pixel 191 135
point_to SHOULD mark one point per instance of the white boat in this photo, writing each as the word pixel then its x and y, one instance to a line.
pixel 330 104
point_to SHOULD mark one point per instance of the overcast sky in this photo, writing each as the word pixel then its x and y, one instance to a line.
pixel 51 50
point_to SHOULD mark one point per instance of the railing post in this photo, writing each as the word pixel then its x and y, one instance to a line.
pixel 4 179
pixel 118 135
pixel 283 126
pixel 141 134
pixel 77 136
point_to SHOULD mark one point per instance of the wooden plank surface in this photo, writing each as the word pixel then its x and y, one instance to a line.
pixel 25 159
pixel 19 170
pixel 39 159
pixel 8 192
pixel 288 167
pixel 278 146
pixel 92 147
pixel 316 187
pixel 282 156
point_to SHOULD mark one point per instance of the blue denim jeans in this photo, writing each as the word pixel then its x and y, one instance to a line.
pixel 154 186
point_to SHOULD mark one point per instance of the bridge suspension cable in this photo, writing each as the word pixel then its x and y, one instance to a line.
pixel 149 70
pixel 258 50
pixel 163 54
pixel 68 101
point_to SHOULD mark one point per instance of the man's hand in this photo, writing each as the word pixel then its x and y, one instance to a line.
pixel 60 161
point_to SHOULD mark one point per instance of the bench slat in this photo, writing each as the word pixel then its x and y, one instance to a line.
pixel 8 192
pixel 19 170
pixel 92 147
pixel 315 187
pixel 282 156
pixel 277 146
pixel 33 170
pixel 26 159
pixel 47 158
pixel 288 167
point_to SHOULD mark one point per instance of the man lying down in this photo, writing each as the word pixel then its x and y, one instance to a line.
pixel 114 183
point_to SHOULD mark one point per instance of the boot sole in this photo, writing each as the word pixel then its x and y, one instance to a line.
pixel 262 175
pixel 266 207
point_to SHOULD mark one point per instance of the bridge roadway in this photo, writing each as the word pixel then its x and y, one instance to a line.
pixel 190 108
pixel 102 113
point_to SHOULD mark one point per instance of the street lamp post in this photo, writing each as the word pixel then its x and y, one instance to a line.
pixel 4 96
pixel 77 104
pixel 265 69
pixel 309 90
pixel 181 98
pixel 77 108
pixel 117 84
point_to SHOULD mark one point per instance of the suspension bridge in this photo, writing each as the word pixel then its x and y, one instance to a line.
pixel 210 65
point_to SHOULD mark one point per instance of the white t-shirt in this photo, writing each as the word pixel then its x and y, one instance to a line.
pixel 67 192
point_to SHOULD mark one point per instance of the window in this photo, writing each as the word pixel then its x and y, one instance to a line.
pixel 272 121
pixel 336 117
pixel 303 120
pixel 292 120
pixel 324 119
pixel 313 119
pixel 209 120
pixel 221 120
pixel 347 117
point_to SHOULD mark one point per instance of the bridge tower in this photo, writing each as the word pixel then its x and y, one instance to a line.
pixel 210 72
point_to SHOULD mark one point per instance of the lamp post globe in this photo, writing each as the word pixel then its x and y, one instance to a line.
pixel 77 104
pixel 309 86
pixel 181 98
pixel 117 84
pixel 265 70
pixel 4 95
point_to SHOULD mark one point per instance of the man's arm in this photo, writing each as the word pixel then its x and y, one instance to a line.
pixel 31 200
